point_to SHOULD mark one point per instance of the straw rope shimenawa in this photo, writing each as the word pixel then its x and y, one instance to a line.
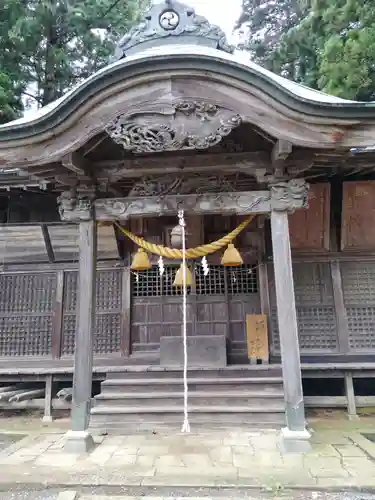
pixel 191 253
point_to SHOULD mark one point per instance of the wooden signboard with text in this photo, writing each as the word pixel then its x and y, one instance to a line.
pixel 257 338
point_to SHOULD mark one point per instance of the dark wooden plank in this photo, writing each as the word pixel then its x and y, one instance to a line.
pixel 47 241
pixel 358 215
pixel 57 316
pixel 310 228
pixel 287 322
pixel 83 359
pixel 340 310
pixel 126 312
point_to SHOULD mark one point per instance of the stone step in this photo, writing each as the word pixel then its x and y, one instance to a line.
pixel 245 371
pixel 265 384
pixel 251 398
pixel 136 419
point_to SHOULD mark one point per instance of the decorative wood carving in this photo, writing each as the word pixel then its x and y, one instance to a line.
pixel 166 185
pixel 221 203
pixel 289 195
pixel 358 215
pixel 168 20
pixel 309 229
pixel 257 337
pixel 76 205
pixel 182 126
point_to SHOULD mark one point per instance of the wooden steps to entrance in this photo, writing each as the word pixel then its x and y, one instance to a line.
pixel 151 399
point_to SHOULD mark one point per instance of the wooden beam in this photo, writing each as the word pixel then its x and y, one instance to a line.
pixel 120 169
pixel 240 203
pixel 47 242
pixel 287 322
pixel 76 163
pixel 281 150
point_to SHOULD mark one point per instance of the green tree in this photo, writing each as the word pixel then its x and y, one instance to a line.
pixel 264 23
pixel 325 44
pixel 11 84
pixel 57 43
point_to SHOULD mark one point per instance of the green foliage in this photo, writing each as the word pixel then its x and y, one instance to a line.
pixel 48 46
pixel 330 46
pixel 264 23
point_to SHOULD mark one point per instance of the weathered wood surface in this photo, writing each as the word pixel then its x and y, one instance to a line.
pixel 287 322
pixel 358 216
pixel 22 243
pixel 64 240
pixel 235 203
pixel 29 243
pixel 126 318
pixel 340 309
pixel 57 315
pixel 153 165
pixel 309 229
pixel 149 95
pixel 257 337
pixel 83 360
pixel 282 196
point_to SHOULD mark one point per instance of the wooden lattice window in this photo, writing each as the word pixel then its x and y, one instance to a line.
pixel 219 281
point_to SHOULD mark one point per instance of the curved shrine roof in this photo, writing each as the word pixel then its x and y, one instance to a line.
pixel 171 37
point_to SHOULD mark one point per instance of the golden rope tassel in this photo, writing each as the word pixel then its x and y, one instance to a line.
pixel 231 257
pixel 141 262
pixel 191 253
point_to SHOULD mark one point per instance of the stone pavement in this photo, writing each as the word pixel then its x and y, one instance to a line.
pixel 209 458
pixel 192 495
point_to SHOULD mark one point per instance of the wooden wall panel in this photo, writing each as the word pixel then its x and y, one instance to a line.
pixel 26 308
pixel 22 243
pixel 309 229
pixel 107 335
pixel 358 216
pixel 317 327
pixel 64 241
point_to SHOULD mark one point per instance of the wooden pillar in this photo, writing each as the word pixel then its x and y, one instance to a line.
pixel 78 439
pixel 295 432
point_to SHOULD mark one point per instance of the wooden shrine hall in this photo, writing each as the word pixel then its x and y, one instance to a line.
pixel 276 184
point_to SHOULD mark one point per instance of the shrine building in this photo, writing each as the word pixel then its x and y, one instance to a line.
pixel 276 186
